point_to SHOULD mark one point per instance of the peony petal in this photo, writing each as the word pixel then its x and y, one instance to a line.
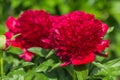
pixel 10 23
pixel 27 56
pixel 8 35
pixel 104 28
pixel 88 58
pixel 103 45
pixel 47 41
pixel 17 44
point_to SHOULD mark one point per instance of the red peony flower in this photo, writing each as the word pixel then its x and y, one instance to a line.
pixel 34 27
pixel 77 37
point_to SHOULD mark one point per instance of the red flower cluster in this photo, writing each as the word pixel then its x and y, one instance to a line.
pixel 34 29
pixel 77 37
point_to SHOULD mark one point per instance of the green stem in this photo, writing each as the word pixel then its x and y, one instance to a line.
pixel 1 66
pixel 74 76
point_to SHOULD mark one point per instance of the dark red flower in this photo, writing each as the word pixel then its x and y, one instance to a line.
pixel 34 28
pixel 77 37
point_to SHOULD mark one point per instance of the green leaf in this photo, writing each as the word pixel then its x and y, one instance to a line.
pixel 99 58
pixel 113 63
pixel 44 66
pixel 2 27
pixel 109 69
pixel 52 75
pixel 50 53
pixel 2 41
pixel 81 72
pixel 30 74
pixel 53 79
pixel 61 74
pixel 99 65
pixel 27 64
pixel 110 29
pixel 103 70
pixel 54 66
pixel 15 3
pixel 15 50
pixel 15 77
pixel 109 78
pixel 17 74
pixel 37 51
pixel 39 76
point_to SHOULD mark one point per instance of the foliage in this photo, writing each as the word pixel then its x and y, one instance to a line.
pixel 46 65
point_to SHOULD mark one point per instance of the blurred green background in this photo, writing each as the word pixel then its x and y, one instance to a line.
pixel 106 10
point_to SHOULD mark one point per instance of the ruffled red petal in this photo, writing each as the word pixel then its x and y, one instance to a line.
pixel 10 23
pixel 88 59
pixel 27 56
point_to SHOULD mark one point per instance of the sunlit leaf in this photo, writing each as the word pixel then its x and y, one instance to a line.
pixel 27 63
pixel 110 29
pixel 99 65
pixel 50 53
pixel 81 72
pixel 15 50
pixel 17 74
pixel 30 74
pixel 39 76
pixel 113 63
pixel 55 66
pixel 45 65
pixel 38 51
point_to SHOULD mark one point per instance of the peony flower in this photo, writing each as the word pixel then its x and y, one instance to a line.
pixel 78 37
pixel 34 28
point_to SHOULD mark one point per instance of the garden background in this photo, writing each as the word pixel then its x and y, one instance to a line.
pixel 106 10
